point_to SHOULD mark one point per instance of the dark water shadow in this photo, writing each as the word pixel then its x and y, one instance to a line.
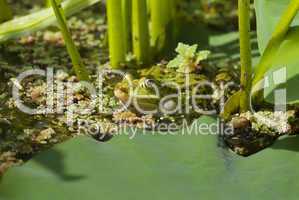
pixel 194 33
pixel 289 143
pixel 54 161
pixel 230 49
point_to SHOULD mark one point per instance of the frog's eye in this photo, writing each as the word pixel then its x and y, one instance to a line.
pixel 148 82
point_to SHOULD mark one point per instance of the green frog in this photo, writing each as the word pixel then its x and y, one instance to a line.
pixel 147 91
pixel 142 94
pixel 165 86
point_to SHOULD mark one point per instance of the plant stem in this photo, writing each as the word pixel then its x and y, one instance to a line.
pixel 245 53
pixel 78 65
pixel 141 47
pixel 48 3
pixel 5 11
pixel 161 24
pixel 127 17
pixel 116 33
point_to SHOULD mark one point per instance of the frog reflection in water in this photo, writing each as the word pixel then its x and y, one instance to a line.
pixel 158 91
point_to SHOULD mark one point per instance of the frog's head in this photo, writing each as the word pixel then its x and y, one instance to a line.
pixel 142 94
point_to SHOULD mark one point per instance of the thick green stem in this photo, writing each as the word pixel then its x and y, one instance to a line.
pixel 78 65
pixel 127 17
pixel 48 3
pixel 141 46
pixel 162 13
pixel 245 53
pixel 5 11
pixel 116 34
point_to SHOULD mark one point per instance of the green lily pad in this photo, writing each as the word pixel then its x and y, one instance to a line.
pixel 156 166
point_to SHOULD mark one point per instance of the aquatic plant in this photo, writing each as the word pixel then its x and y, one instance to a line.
pixel 240 101
pixel 252 85
pixel 245 53
pixel 116 33
pixel 179 160
pixel 162 16
pixel 276 39
pixel 127 23
pixel 135 36
pixel 74 54
pixel 188 58
pixel 141 45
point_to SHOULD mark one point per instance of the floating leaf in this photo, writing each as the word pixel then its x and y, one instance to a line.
pixel 156 166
